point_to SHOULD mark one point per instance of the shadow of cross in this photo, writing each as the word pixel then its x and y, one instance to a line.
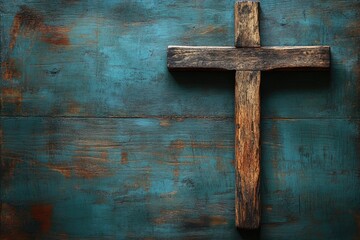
pixel 248 59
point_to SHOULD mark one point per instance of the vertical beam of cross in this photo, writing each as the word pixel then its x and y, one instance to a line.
pixel 247 59
pixel 247 122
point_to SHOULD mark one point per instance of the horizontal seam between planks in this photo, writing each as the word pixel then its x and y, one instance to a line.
pixel 174 117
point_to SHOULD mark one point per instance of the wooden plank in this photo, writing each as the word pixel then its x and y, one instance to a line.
pixel 131 178
pixel 311 188
pixel 89 77
pixel 176 180
pixel 244 59
pixel 247 122
pixel 247 33
pixel 247 149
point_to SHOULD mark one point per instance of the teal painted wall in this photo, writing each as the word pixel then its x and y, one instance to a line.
pixel 100 141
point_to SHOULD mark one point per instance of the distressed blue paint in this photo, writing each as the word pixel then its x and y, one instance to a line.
pixel 169 173
pixel 117 51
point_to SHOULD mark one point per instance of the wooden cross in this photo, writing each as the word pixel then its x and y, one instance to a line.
pixel 248 59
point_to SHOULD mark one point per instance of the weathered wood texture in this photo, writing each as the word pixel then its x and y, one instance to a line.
pixel 247 149
pixel 172 178
pixel 247 122
pixel 66 104
pixel 246 20
pixel 260 59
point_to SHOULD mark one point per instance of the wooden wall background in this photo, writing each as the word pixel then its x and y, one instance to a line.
pixel 100 141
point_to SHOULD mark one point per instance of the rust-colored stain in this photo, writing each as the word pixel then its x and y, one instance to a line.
pixel 73 108
pixel 10 70
pixel 87 166
pixel 42 213
pixel 90 168
pixel 64 170
pixel 55 35
pixel 90 160
pixel 104 155
pixel 124 157
pixel 31 21
pixel 11 95
pixel 175 148
pixel 204 221
pixel 168 216
pixel 201 145
pixel 178 144
pixel 83 167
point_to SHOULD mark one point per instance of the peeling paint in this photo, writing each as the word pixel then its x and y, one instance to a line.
pixel 32 21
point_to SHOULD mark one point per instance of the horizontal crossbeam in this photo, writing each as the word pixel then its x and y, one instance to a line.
pixel 247 59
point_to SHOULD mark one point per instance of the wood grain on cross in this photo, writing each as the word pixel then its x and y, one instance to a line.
pixel 248 59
